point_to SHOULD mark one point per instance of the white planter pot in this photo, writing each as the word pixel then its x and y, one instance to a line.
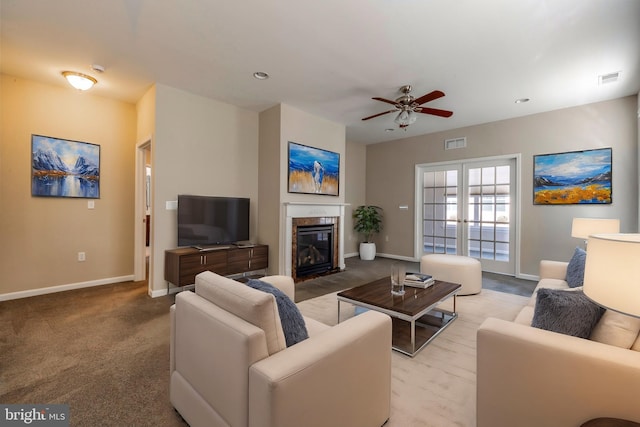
pixel 367 251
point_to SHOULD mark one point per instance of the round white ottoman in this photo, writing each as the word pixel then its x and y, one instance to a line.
pixel 455 269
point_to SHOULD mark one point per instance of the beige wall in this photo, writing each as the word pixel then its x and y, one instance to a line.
pixel 304 128
pixel 545 229
pixel 200 146
pixel 242 153
pixel 269 166
pixel 355 190
pixel 278 126
pixel 41 236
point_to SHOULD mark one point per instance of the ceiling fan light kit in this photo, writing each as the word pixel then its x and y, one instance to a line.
pixel 407 107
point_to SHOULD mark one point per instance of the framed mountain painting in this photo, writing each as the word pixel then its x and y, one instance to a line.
pixel 64 168
pixel 576 177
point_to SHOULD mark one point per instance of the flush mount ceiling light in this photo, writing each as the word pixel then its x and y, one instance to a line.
pixel 261 75
pixel 78 80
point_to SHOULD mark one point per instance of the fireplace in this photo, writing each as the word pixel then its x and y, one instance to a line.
pixel 314 247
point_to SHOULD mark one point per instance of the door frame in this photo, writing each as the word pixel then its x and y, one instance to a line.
pixel 419 168
pixel 139 229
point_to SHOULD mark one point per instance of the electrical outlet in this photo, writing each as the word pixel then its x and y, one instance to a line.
pixel 386 238
pixel 81 256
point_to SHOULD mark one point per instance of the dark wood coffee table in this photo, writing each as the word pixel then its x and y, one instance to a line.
pixel 416 320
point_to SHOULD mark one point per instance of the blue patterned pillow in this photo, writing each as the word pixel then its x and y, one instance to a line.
pixel 575 269
pixel 291 319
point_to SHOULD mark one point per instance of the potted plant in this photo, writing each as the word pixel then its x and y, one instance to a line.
pixel 368 221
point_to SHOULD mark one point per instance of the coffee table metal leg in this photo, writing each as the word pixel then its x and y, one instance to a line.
pixel 339 311
pixel 413 336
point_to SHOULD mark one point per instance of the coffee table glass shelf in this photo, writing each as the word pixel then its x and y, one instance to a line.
pixel 416 320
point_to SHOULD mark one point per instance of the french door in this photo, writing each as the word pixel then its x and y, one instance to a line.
pixel 469 208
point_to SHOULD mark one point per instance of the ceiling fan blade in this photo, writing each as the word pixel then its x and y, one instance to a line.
pixel 379 114
pixel 429 97
pixel 388 101
pixel 434 111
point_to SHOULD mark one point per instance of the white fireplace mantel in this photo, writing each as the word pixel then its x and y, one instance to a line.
pixel 309 210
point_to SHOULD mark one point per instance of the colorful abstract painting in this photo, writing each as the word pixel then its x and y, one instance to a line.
pixel 313 171
pixel 577 177
pixel 63 168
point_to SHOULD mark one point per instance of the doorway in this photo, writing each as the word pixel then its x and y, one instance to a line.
pixel 143 229
pixel 470 208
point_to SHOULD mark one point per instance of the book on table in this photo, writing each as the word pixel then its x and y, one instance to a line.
pixel 418 280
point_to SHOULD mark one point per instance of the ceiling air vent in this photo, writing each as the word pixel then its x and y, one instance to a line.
pixel 451 144
pixel 608 78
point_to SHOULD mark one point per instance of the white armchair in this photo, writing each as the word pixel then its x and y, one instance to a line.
pixel 231 367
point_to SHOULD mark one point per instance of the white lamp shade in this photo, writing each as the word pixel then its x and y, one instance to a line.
pixel 584 227
pixel 612 272
pixel 406 118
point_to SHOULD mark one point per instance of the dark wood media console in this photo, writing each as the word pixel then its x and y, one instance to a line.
pixel 183 264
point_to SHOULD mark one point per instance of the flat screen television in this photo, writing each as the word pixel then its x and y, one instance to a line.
pixel 207 220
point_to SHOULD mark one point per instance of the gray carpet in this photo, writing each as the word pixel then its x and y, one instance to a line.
pixel 105 350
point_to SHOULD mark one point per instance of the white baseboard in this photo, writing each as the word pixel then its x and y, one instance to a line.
pixel 528 277
pixel 60 288
pixel 383 255
pixel 173 290
pixel 398 257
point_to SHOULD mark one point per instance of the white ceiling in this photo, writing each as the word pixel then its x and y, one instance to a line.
pixel 330 57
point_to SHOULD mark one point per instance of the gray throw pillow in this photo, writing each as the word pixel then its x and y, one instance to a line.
pixel 291 319
pixel 566 312
pixel 575 269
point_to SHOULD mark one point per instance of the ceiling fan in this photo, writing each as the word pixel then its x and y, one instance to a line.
pixel 407 106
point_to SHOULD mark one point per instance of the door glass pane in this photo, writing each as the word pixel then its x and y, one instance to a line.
pixel 452 178
pixel 488 175
pixel 487 231
pixel 503 175
pixel 488 250
pixel 428 211
pixel 474 177
pixel 502 251
pixel 502 233
pixel 452 229
pixel 428 179
pixel 429 195
pixel 427 226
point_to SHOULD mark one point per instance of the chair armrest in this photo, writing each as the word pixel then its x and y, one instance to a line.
pixel 284 283
pixel 530 377
pixel 339 377
pixel 172 337
pixel 553 269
